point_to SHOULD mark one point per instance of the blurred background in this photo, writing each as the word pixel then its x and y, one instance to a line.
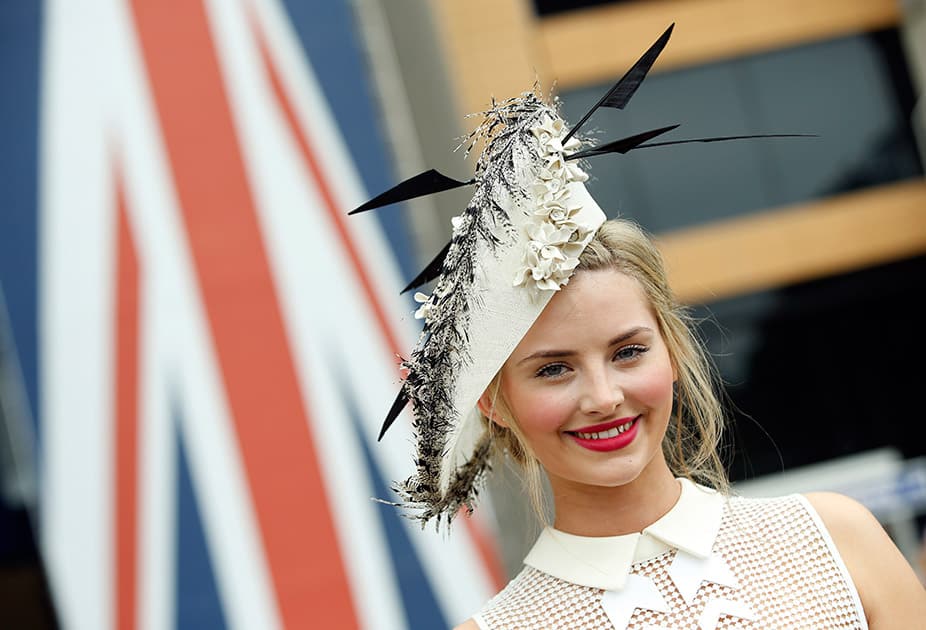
pixel 197 347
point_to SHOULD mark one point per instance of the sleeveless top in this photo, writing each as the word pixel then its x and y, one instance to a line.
pixel 711 562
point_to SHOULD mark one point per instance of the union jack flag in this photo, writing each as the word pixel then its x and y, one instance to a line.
pixel 212 345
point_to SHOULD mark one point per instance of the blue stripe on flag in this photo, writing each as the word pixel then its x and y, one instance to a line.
pixel 418 599
pixel 198 603
pixel 20 42
pixel 328 33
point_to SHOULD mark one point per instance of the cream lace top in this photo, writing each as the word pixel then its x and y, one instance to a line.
pixel 710 562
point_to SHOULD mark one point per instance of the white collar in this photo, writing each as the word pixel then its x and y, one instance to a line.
pixel 604 562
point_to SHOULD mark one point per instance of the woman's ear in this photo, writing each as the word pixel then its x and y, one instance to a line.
pixel 487 407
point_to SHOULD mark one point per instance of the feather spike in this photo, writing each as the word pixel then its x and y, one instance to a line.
pixel 619 95
pixel 430 272
pixel 427 183
pixel 397 406
pixel 726 138
pixel 623 145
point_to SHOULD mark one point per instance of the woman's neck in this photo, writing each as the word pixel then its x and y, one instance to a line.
pixel 611 511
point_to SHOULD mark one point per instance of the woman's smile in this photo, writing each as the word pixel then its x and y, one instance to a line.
pixel 607 436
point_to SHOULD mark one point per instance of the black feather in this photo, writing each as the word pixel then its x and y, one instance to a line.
pixel 426 183
pixel 619 95
pixel 431 271
pixel 397 406
pixel 725 138
pixel 623 145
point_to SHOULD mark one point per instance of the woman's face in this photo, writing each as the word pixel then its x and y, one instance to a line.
pixel 590 384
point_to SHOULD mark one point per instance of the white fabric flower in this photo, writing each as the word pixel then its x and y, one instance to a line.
pixel 427 309
pixel 554 239
pixel 575 174
pixel 548 130
pixel 556 164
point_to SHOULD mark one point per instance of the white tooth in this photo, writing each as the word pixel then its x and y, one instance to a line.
pixel 602 435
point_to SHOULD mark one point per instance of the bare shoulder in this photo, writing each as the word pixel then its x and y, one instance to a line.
pixel 889 589
pixel 469 624
pixel 846 518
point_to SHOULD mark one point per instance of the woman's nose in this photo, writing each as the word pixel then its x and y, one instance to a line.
pixel 601 394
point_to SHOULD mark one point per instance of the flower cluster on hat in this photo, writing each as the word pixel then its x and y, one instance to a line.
pixel 553 238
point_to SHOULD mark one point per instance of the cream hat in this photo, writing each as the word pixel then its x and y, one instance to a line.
pixel 516 244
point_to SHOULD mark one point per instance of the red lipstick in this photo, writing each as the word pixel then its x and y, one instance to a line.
pixel 611 443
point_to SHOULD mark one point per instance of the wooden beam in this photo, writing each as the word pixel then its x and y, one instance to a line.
pixel 597 45
pixel 491 49
pixel 799 243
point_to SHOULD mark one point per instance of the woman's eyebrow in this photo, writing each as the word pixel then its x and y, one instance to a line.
pixel 549 354
pixel 633 332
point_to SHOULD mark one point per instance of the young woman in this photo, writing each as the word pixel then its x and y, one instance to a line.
pixel 552 336
pixel 609 393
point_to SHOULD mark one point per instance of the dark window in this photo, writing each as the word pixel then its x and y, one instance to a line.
pixel 854 92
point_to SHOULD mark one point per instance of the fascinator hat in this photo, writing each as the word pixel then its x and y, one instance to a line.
pixel 516 244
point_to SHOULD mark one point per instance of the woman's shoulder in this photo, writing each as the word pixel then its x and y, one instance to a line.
pixel 469 624
pixel 842 515
pixel 889 589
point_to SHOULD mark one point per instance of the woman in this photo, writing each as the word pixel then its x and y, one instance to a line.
pixel 598 393
pixel 553 336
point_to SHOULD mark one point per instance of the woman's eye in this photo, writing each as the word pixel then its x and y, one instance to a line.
pixel 629 353
pixel 552 371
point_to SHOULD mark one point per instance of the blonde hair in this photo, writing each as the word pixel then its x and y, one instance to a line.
pixel 693 439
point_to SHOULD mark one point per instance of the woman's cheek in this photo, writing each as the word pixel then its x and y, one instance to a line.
pixel 544 411
pixel 655 387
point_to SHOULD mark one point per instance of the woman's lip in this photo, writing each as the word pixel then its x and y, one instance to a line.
pixel 609 444
pixel 604 426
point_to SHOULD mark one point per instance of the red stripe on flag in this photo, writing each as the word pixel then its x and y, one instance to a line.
pixel 126 420
pixel 241 304
pixel 484 542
